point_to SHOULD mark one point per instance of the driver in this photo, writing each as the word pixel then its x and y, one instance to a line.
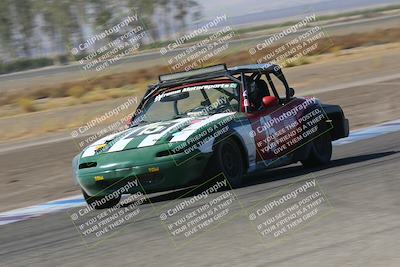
pixel 257 90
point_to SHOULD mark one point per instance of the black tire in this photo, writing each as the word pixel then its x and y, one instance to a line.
pixel 228 159
pixel 108 204
pixel 320 151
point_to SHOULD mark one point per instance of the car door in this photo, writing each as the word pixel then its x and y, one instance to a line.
pixel 271 129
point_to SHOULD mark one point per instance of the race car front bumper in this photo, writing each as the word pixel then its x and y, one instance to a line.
pixel 174 172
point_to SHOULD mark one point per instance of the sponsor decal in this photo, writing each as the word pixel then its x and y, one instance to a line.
pixel 99 178
pixel 154 169
pixel 195 88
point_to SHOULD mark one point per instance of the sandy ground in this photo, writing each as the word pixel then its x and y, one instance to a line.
pixel 363 81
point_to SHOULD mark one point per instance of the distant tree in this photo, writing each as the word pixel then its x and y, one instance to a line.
pixel 25 20
pixel 182 9
pixel 6 26
pixel 26 25
pixel 165 12
pixel 180 14
pixel 60 22
pixel 145 10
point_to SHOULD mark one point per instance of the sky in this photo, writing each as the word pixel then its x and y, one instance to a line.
pixel 286 8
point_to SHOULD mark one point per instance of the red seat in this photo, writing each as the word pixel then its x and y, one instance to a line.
pixel 269 101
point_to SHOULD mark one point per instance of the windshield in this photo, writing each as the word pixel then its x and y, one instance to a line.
pixel 194 100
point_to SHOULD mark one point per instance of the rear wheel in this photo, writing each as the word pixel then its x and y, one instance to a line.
pixel 227 159
pixel 320 152
pixel 99 203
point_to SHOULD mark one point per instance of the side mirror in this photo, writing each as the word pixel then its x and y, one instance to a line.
pixel 269 101
pixel 291 92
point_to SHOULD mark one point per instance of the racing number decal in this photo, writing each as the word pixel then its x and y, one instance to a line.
pixel 154 128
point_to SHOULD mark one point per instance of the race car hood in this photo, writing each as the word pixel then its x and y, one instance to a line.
pixel 172 132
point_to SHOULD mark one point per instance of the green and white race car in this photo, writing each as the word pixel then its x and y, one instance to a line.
pixel 194 125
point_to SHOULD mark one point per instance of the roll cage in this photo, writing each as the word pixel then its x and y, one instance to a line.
pixel 243 75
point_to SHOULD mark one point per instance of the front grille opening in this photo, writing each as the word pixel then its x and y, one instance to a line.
pixel 87 165
pixel 163 153
pixel 167 153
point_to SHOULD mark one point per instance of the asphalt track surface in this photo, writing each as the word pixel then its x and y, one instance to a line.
pixel 362 227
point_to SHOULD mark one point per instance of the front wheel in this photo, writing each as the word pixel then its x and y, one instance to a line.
pixel 228 159
pixel 320 152
pixel 99 203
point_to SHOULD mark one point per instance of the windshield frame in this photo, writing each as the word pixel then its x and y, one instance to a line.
pixel 148 101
